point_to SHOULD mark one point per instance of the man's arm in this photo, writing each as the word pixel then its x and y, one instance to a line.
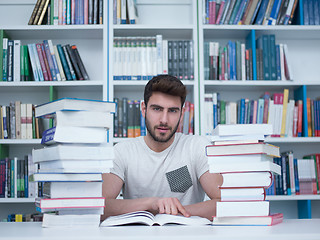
pixel 112 185
pixel 210 183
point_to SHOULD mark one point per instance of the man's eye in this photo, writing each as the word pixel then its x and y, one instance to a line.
pixel 156 109
pixel 173 110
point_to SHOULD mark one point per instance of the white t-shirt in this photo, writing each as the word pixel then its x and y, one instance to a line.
pixel 174 172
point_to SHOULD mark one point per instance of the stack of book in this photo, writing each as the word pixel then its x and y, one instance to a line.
pixel 245 161
pixel 71 164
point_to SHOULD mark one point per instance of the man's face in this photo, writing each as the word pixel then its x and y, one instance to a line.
pixel 162 116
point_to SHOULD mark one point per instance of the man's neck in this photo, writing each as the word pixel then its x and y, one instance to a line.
pixel 157 146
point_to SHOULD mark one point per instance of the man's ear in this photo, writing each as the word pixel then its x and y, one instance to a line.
pixel 143 109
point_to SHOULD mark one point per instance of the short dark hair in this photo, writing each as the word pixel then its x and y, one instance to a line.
pixel 165 84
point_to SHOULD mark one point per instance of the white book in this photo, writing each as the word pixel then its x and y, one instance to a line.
pixel 232 112
pixel 74 104
pixel 232 209
pixel 29 120
pixel 242 129
pixel 83 119
pixel 243 61
pixel 246 167
pixel 232 139
pixel 72 152
pixel 72 189
pixel 272 115
pixel 80 211
pixel 159 57
pixel 247 179
pixel 242 194
pixel 116 58
pixel 23 120
pixel 164 56
pixel 62 134
pixel 16 60
pixel 243 149
pixel 208 101
pixel 154 57
pixel 131 11
pixel 288 61
pixel 65 177
pixel 283 76
pixel 55 12
pixel 32 186
pixel 47 203
pixel 76 166
pixel 123 12
pixel 270 220
pixel 239 159
pixel 147 218
pixel 56 53
pixel 289 118
pixel 71 221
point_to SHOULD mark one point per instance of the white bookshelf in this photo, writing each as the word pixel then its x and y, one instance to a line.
pixel 174 19
pixel 304 53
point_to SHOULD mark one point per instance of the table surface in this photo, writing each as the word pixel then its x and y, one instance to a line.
pixel 290 229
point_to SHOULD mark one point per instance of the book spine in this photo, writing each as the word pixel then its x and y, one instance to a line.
pixel 34 12
pixel 74 63
pixel 33 63
pixel 16 60
pixel 80 63
pixel 73 75
pixel 50 60
pixel 64 62
pixel 56 53
pixel 42 63
pixel 54 60
pixel 37 61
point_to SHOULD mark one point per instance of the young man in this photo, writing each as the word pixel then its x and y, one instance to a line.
pixel 164 171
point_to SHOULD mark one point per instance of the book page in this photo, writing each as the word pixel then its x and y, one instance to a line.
pixel 139 217
pixel 163 219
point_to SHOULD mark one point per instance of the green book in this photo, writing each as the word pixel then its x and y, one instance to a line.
pixel 4 151
pixel 26 64
pixel 3 35
pixel 22 71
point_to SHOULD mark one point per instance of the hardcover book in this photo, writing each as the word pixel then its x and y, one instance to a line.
pixel 74 104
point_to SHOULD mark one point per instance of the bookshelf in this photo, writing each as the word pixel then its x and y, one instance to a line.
pixel 302 42
pixel 182 21
pixel 91 41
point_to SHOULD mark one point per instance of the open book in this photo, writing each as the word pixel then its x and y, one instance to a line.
pixel 147 218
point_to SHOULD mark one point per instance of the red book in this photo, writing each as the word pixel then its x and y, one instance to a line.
pixel 300 113
pixel 42 63
pixel 249 221
pixel 212 11
pixel 220 12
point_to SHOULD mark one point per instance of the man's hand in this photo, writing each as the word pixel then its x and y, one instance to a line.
pixel 169 206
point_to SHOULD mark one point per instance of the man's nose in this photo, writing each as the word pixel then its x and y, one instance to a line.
pixel 164 117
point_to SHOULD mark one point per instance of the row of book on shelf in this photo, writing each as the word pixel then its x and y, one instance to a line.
pixel 17 121
pixel 125 12
pixel 237 61
pixel 64 12
pixel 41 62
pixel 286 116
pixel 311 12
pixel 246 12
pixel 129 122
pixel 298 175
pixel 141 58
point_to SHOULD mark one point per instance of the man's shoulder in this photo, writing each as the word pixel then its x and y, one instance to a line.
pixel 129 142
pixel 193 139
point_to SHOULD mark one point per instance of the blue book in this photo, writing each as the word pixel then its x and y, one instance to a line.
pixel 273 56
pixel 261 12
pixel 301 94
pixel 235 11
pixel 278 62
pixel 251 44
pixel 242 110
pixel 296 176
pixel 310 11
pixel 305 11
pixel 316 12
pixel 143 129
pixel 234 61
pixel 50 60
pixel 64 62
pixel 260 110
pixel 274 12
pixel 263 43
pixel 240 13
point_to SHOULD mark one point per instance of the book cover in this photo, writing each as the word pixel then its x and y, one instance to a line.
pixel 74 104
pixel 269 220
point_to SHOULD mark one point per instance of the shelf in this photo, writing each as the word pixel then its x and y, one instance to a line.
pixel 296 32
pixel 51 83
pixel 168 32
pixel 293 140
pixel 142 83
pixel 292 197
pixel 20 141
pixel 55 32
pixel 17 200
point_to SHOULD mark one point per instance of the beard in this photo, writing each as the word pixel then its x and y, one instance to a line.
pixel 161 138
